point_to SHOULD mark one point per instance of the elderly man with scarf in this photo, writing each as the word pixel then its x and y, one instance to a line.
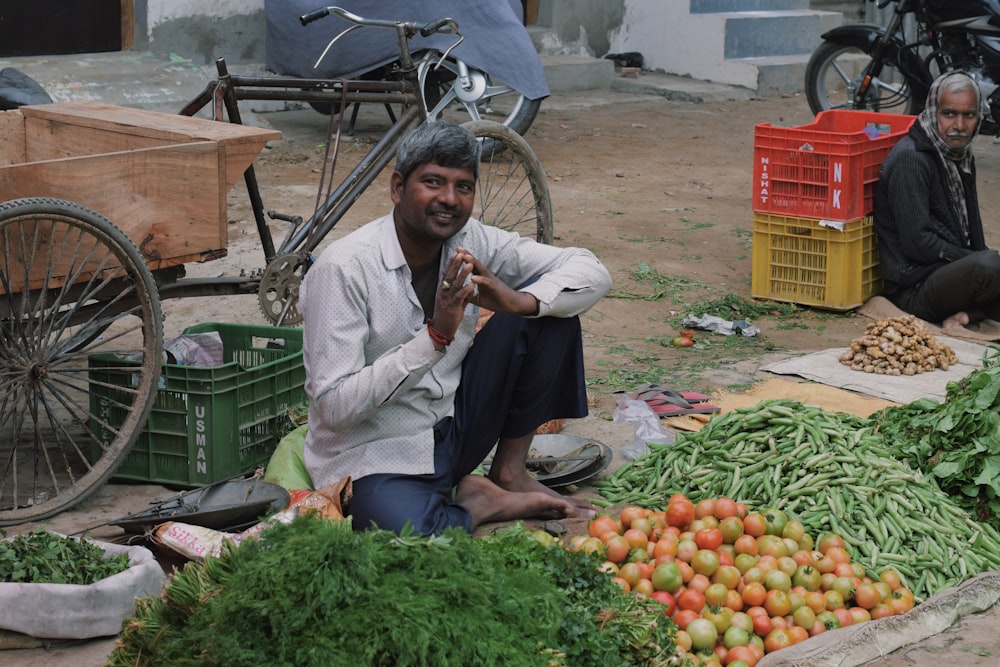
pixel 931 245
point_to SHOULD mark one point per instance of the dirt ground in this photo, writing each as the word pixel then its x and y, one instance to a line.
pixel 660 189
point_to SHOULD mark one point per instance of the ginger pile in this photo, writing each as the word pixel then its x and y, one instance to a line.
pixel 897 346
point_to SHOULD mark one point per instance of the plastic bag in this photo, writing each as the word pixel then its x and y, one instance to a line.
pixel 195 349
pixel 647 426
pixel 721 326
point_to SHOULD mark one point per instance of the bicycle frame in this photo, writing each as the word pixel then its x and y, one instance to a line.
pixel 224 95
pixel 226 92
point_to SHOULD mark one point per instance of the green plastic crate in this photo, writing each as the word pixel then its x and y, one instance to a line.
pixel 208 423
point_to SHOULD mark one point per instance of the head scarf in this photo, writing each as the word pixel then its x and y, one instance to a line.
pixel 953 158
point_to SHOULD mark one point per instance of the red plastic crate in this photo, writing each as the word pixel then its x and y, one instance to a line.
pixel 827 169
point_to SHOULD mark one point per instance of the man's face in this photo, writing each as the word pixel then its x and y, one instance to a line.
pixel 435 202
pixel 957 117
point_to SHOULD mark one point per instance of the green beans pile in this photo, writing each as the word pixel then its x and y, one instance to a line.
pixel 831 472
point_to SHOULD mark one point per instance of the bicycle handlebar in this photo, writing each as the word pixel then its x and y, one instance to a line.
pixel 445 26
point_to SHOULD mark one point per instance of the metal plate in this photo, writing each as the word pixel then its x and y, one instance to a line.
pixel 227 506
pixel 587 458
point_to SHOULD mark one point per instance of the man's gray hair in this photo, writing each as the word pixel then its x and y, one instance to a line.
pixel 440 143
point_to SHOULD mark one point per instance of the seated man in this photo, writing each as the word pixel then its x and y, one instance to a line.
pixel 930 235
pixel 404 397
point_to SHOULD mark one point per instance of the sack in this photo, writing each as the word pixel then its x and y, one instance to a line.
pixel 69 611
pixel 197 542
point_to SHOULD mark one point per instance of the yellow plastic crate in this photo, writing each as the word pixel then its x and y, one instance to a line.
pixel 813 263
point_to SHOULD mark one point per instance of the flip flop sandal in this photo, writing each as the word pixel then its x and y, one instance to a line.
pixel 658 395
pixel 674 410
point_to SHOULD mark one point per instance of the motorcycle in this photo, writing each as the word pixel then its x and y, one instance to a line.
pixel 890 68
pixel 477 79
pixel 17 89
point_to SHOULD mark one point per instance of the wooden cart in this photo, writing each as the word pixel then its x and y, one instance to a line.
pixel 102 207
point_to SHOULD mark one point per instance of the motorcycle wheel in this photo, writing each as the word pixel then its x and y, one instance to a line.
pixel 834 73
pixel 485 99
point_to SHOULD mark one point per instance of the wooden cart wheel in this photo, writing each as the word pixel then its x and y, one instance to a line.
pixel 513 192
pixel 75 293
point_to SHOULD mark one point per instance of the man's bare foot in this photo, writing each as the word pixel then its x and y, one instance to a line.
pixel 488 502
pixel 522 482
pixel 959 319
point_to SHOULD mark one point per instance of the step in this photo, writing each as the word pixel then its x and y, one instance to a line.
pixel 774 33
pixel 713 6
pixel 567 73
pixel 780 75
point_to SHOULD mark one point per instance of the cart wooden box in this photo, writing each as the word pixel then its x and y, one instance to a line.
pixel 162 178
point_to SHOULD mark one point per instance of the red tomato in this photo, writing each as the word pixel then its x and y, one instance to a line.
pixel 725 507
pixel 796 633
pixel 828 540
pixel 860 615
pixel 680 513
pixel 776 640
pixel 636 538
pixel 900 603
pixel 754 524
pixel 762 624
pixel 630 513
pixel 744 653
pixel 754 594
pixel 881 610
pixel 667 600
pixel 746 544
pixel 684 616
pixel 616 549
pixel 691 599
pixel 708 538
pixel 890 577
pixel 704 507
pixel 844 615
pixel 603 523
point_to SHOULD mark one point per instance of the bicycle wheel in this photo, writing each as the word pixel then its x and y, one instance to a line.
pixel 75 297
pixel 481 99
pixel 835 72
pixel 512 191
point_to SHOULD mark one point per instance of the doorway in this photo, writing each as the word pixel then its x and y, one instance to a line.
pixel 57 27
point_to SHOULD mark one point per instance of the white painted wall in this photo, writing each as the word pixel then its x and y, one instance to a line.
pixel 675 41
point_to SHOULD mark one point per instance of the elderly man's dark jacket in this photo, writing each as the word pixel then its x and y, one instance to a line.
pixel 918 229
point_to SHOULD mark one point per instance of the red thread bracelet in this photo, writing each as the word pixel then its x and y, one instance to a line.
pixel 437 336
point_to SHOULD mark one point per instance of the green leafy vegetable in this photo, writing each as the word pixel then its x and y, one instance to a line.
pixel 41 557
pixel 316 593
pixel 957 441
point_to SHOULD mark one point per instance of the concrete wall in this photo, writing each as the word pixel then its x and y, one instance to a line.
pixel 586 25
pixel 202 31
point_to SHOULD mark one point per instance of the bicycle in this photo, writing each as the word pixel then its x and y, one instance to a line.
pixel 75 288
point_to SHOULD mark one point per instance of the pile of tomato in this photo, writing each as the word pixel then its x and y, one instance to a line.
pixel 739 583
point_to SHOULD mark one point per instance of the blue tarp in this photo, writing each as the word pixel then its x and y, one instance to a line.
pixel 496 41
